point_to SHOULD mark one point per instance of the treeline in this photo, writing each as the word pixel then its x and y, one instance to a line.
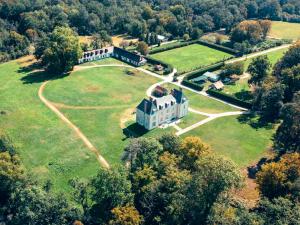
pixel 26 21
pixel 168 181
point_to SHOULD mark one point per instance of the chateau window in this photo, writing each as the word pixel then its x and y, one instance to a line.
pixel 153 124
pixel 106 50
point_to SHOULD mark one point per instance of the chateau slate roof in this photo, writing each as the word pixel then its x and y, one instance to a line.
pixel 128 54
pixel 150 106
pixel 179 96
pixel 147 106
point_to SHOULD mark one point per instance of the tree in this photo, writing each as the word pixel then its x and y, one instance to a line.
pixel 192 149
pixel 279 211
pixel 233 68
pixel 287 137
pixel 126 215
pixel 11 173
pixel 266 27
pixel 271 102
pixel 61 51
pixel 143 48
pixel 248 30
pixel 275 178
pixel 170 143
pixel 213 177
pixel 143 151
pixel 259 69
pixel 186 37
pixel 32 205
pixel 110 189
pixel 196 33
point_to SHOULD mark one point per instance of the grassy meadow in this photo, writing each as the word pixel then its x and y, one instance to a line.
pixel 235 139
pixel 191 57
pixel 47 147
pixel 285 30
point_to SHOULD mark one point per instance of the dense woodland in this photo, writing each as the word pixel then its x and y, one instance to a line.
pixel 26 21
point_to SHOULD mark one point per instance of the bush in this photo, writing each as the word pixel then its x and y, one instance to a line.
pixel 219 47
pixel 229 98
pixel 191 84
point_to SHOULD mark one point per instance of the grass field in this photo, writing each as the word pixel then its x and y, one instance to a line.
pixel 191 57
pixel 241 88
pixel 238 141
pixel 47 147
pixel 284 30
pixel 274 57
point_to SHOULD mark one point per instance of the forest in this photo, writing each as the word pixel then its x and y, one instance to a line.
pixel 24 22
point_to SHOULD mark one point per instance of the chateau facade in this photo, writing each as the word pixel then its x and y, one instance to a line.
pixel 155 112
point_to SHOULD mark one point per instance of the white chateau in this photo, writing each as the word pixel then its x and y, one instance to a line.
pixel 155 112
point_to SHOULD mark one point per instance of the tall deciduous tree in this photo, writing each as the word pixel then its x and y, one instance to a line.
pixel 259 69
pixel 110 189
pixel 61 51
pixel 143 48
pixel 287 138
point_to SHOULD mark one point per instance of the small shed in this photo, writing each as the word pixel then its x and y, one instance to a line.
pixel 158 67
pixel 162 38
pixel 200 80
pixel 217 85
pixel 213 77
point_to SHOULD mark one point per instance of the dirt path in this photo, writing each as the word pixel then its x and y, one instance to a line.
pixel 64 106
pixel 253 55
pixel 78 132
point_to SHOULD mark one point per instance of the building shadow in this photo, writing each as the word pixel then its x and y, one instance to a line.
pixel 134 131
pixel 36 74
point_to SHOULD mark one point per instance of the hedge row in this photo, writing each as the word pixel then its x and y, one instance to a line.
pixel 151 60
pixel 193 85
pixel 229 98
pixel 199 72
pixel 166 48
pixel 219 47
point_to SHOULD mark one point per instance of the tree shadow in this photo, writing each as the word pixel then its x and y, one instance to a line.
pixel 134 131
pixel 35 74
pixel 244 95
pixel 252 170
pixel 255 121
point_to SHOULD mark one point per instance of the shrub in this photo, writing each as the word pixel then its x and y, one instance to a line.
pixel 229 98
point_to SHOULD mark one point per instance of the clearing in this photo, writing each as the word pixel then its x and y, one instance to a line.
pixel 285 30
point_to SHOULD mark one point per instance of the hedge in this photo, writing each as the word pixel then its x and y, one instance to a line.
pixel 179 45
pixel 199 72
pixel 219 47
pixel 193 85
pixel 151 60
pixel 229 98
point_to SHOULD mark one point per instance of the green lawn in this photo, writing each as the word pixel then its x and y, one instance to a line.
pixel 241 88
pixel 47 147
pixel 190 119
pixel 285 30
pixel 235 140
pixel 115 93
pixel 191 57
pixel 274 57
